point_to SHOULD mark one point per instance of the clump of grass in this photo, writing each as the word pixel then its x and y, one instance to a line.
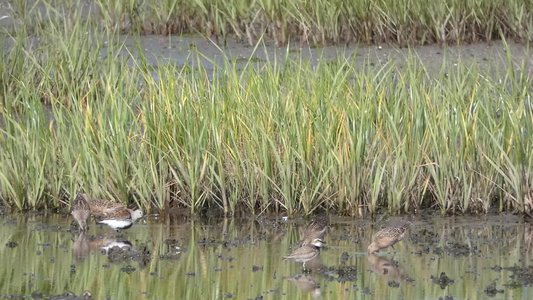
pixel 321 21
pixel 267 137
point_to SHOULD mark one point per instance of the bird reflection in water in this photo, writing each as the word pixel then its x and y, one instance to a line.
pixel 306 283
pixel 84 245
pixel 386 268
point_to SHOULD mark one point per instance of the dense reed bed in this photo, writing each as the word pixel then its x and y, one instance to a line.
pixel 267 137
pixel 315 22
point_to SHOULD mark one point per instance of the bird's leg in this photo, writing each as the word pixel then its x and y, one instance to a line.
pixel 306 271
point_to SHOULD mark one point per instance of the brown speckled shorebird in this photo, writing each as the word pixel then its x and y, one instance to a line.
pixel 115 215
pixel 306 252
pixel 387 237
pixel 81 211
pixel 316 229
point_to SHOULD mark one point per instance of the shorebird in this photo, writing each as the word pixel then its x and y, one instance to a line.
pixel 81 211
pixel 316 229
pixel 387 237
pixel 118 224
pixel 306 252
pixel 114 215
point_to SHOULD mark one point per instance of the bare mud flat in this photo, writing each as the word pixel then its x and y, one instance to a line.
pixel 495 58
pixel 161 257
pixel 192 50
pixel 180 50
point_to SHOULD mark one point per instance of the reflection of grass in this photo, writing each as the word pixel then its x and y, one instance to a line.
pixel 221 256
pixel 319 21
pixel 273 137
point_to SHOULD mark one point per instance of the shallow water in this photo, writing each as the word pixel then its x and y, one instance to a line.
pixel 42 255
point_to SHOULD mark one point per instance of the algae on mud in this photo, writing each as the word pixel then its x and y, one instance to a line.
pixel 243 259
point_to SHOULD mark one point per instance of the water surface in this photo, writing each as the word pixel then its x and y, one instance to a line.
pixel 187 258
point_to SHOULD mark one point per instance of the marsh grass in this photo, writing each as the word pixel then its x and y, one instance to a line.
pixel 79 113
pixel 311 22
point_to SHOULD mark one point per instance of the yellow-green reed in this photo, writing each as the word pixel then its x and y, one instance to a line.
pixel 325 21
pixel 77 113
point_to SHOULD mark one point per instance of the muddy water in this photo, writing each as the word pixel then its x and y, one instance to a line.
pixel 183 258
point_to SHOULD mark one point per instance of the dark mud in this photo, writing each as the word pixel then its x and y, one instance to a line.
pixel 188 50
pixel 177 50
pixel 520 276
pixel 67 295
pixel 442 280
pixel 491 290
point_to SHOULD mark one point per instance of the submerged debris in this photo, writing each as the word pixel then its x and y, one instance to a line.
pixel 491 290
pixel 522 276
pixel 496 268
pixel 11 244
pixel 127 269
pixel 344 257
pixel 170 256
pixel 443 280
pixel 456 249
pixel 124 254
pixel 426 239
pixel 393 284
pixel 341 273
pixel 257 268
